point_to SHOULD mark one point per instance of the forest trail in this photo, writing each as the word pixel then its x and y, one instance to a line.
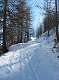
pixel 30 61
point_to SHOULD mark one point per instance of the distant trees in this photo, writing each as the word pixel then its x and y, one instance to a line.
pixel 48 15
pixel 39 31
pixel 51 23
pixel 51 20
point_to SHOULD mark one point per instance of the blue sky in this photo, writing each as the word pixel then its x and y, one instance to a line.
pixel 37 16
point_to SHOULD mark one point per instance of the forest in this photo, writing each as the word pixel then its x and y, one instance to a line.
pixel 16 21
pixel 29 39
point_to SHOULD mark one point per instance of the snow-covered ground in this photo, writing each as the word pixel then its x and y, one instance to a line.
pixel 34 60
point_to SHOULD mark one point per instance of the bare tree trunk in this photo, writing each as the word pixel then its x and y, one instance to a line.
pixel 4 26
pixel 48 16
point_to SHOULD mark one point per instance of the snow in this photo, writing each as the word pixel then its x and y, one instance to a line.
pixel 33 38
pixel 30 61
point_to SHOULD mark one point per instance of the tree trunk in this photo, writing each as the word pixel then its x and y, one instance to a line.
pixel 56 21
pixel 4 26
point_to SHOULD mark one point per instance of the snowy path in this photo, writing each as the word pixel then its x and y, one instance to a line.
pixel 33 62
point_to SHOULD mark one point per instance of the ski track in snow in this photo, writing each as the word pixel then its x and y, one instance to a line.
pixel 30 61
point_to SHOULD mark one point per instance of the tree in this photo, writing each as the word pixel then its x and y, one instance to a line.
pixel 57 34
pixel 18 23
pixel 39 31
pixel 51 19
pixel 22 20
pixel 4 26
pixel 48 12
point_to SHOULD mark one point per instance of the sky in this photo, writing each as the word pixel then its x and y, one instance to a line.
pixel 36 7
